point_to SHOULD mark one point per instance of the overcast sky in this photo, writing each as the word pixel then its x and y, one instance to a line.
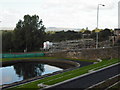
pixel 61 13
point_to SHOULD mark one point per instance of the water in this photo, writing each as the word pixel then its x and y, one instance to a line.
pixel 23 71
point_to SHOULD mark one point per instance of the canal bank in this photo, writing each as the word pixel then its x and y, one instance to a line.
pixel 77 64
pixel 63 63
pixel 59 77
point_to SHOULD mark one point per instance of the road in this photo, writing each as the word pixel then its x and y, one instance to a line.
pixel 91 79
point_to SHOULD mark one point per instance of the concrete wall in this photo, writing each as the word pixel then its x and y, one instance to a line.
pixel 90 54
pixel 106 53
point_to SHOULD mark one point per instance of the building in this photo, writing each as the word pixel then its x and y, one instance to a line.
pixel 117 34
pixel 74 44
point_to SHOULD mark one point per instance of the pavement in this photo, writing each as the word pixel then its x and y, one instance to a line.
pixel 89 80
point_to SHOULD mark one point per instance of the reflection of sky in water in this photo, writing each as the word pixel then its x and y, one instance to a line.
pixel 50 69
pixel 0 77
pixel 9 74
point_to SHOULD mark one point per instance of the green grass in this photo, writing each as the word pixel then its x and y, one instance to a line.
pixel 12 59
pixel 68 75
pixel 82 60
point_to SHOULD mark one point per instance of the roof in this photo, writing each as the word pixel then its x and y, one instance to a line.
pixel 117 29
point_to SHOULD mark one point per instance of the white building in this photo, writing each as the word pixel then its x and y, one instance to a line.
pixel 47 45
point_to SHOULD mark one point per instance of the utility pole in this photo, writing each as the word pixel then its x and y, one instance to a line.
pixel 97 23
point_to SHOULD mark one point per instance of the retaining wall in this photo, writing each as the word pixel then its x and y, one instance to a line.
pixel 89 54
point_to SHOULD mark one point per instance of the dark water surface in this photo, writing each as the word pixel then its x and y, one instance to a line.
pixel 23 71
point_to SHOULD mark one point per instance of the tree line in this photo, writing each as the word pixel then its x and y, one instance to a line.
pixel 29 34
pixel 82 34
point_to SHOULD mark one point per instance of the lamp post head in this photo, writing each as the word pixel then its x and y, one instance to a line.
pixel 103 5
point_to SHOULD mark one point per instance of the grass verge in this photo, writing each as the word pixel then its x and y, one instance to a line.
pixel 12 59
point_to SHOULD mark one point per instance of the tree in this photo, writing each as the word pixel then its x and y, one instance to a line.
pixel 34 70
pixel 29 33
pixel 104 34
pixel 93 34
pixel 6 41
pixel 63 35
pixel 19 37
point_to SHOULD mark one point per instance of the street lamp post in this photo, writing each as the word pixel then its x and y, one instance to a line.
pixel 97 23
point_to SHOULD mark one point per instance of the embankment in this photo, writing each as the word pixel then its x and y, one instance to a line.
pixel 64 64
pixel 88 54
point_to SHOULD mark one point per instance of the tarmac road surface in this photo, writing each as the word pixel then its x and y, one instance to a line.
pixel 91 79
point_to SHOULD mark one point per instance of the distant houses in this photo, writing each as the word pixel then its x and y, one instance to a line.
pixel 117 34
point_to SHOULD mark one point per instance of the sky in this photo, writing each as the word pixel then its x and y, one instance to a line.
pixel 61 13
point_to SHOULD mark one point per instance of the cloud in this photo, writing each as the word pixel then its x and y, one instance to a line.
pixel 64 13
pixel 9 17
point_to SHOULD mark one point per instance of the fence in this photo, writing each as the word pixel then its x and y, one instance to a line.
pixel 22 55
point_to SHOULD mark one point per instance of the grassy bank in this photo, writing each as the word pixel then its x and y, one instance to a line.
pixel 68 75
pixel 13 59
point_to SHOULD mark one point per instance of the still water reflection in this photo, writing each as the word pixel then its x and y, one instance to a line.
pixel 22 71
